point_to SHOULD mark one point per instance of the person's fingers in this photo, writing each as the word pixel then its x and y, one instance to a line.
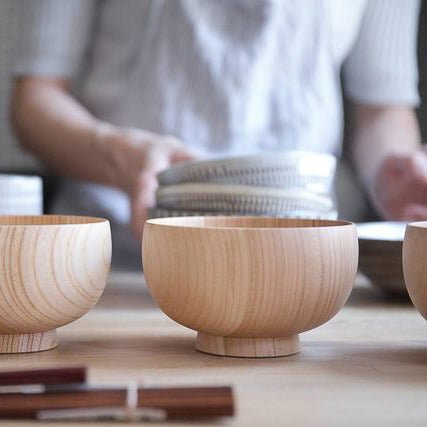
pixel 418 167
pixel 144 197
pixel 413 166
pixel 414 212
pixel 178 151
pixel 152 154
pixel 138 219
pixel 142 200
pixel 157 158
pixel 173 143
pixel 182 156
pixel 396 164
pixel 416 181
pixel 411 172
pixel 146 189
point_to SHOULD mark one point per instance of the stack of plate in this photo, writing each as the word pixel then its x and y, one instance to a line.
pixel 286 184
pixel 21 195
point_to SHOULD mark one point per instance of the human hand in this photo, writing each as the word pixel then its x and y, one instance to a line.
pixel 159 153
pixel 399 190
pixel 138 156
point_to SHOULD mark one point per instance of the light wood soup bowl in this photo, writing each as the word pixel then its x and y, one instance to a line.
pixel 415 264
pixel 53 269
pixel 249 285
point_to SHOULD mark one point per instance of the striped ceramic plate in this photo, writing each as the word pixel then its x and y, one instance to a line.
pixel 240 198
pixel 294 169
pixel 165 213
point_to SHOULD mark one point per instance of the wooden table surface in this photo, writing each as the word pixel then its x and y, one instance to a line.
pixel 367 366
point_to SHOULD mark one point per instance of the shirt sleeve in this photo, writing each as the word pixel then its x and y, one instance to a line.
pixel 53 36
pixel 382 65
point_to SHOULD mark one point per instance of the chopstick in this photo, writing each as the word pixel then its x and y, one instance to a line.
pixel 100 402
pixel 54 394
pixel 100 414
pixel 36 381
pixel 44 376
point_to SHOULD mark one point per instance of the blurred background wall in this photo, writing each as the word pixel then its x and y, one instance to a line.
pixel 11 157
pixel 422 61
pixel 352 203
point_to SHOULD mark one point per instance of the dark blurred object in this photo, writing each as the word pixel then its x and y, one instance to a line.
pixel 51 186
pixel 380 255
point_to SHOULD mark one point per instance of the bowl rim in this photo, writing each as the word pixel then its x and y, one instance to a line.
pixel 173 222
pixel 362 228
pixel 63 220
pixel 417 224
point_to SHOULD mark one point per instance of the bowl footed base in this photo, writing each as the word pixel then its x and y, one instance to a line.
pixel 28 343
pixel 247 347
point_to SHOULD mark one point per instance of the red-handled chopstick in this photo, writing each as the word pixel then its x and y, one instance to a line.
pixel 37 381
pixel 44 376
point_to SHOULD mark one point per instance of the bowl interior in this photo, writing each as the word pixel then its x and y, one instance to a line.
pixel 28 220
pixel 245 222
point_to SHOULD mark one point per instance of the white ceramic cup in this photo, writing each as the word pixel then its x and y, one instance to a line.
pixel 21 195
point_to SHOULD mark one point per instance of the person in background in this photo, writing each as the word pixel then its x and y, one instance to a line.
pixel 110 92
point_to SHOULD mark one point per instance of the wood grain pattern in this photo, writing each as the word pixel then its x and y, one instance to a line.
pixel 249 278
pixel 253 347
pixel 28 341
pixel 53 269
pixel 44 376
pixel 414 264
pixel 365 367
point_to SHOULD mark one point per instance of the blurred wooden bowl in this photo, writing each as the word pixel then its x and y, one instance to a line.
pixel 249 285
pixel 53 269
pixel 380 255
pixel 414 264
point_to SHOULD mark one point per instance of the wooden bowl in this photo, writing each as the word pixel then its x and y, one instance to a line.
pixel 249 285
pixel 414 264
pixel 53 269
pixel 380 255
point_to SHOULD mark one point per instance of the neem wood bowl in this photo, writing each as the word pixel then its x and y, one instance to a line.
pixel 53 269
pixel 249 285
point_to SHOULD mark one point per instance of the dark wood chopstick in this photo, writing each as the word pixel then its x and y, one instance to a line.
pixel 189 402
pixel 44 376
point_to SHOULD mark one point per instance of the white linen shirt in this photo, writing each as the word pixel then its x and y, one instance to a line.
pixel 227 77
